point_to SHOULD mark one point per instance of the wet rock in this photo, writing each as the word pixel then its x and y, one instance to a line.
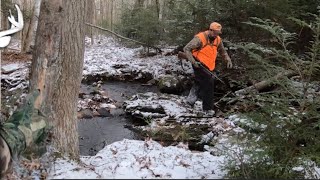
pixel 85 114
pixel 103 112
pixel 151 82
pixel 95 113
pixel 82 95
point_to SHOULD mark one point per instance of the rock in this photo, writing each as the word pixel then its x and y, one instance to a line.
pixel 170 84
pixel 104 94
pixel 103 112
pixel 151 82
pixel 82 95
pixel 85 114
pixel 97 98
pixel 95 113
pixel 6 69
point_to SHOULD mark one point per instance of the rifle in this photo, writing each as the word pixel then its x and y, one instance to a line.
pixel 182 55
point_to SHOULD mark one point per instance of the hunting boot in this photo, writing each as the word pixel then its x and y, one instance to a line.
pixel 192 97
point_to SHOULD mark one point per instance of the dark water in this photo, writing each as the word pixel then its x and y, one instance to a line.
pixel 98 132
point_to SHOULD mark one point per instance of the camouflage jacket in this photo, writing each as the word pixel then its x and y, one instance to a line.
pixel 24 128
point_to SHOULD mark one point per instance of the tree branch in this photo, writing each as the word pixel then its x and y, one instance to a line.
pixel 122 37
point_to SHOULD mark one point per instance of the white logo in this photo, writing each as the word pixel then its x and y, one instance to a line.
pixel 5 36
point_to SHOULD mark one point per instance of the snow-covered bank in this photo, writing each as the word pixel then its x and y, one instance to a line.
pixel 111 59
pixel 131 159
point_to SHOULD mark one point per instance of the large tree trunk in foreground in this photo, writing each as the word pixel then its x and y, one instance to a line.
pixel 57 68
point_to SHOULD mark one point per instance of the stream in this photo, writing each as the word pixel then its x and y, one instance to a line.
pixel 97 132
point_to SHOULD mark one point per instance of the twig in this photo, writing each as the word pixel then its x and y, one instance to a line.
pixel 216 104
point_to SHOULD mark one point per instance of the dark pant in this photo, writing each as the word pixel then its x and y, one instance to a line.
pixel 204 86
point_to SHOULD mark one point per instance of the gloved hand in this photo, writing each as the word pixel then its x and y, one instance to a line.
pixel 229 63
pixel 195 63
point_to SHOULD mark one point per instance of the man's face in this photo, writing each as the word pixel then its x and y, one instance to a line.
pixel 214 33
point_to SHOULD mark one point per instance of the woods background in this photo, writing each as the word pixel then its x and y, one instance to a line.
pixel 275 47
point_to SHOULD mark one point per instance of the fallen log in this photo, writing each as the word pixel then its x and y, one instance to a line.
pixel 265 83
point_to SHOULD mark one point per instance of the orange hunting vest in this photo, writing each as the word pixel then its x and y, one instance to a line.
pixel 208 52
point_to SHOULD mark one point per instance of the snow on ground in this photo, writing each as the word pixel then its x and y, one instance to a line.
pixel 14 75
pixel 109 58
pixel 132 159
pixel 107 55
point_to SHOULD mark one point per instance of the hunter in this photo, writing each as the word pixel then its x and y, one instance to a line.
pixel 202 52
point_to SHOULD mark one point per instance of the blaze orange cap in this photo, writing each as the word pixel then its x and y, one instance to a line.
pixel 216 26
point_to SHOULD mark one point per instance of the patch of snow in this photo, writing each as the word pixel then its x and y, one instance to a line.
pixel 14 76
pixel 309 168
pixel 105 56
pixel 140 160
pixel 206 138
pixel 247 122
pixel 298 169
pixel 109 105
pixel 9 68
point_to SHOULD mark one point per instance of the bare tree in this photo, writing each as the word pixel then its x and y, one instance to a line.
pixel 29 30
pixel 90 14
pixel 57 68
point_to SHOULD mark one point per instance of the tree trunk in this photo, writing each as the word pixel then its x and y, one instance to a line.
pixel 111 14
pixel 90 12
pixel 37 12
pixel 24 32
pixel 101 11
pixel 28 35
pixel 57 68
pixel 4 19
pixel 138 4
pixel 158 9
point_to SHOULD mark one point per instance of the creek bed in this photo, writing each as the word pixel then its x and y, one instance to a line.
pixel 97 132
